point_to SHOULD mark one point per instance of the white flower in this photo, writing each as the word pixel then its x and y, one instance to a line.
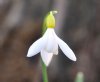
pixel 48 46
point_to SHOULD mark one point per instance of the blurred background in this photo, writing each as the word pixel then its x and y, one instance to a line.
pixel 77 23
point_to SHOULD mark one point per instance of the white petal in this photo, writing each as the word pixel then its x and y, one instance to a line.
pixel 52 46
pixel 55 52
pixel 46 57
pixel 36 47
pixel 51 42
pixel 65 48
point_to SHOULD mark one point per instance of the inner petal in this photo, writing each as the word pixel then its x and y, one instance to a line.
pixel 55 49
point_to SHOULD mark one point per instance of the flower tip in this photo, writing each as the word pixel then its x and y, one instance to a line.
pixel 74 59
pixel 46 65
pixel 28 55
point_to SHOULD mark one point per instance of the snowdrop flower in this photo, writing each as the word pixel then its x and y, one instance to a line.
pixel 48 44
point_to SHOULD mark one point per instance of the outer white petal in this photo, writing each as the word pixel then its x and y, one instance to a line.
pixel 46 57
pixel 51 42
pixel 65 48
pixel 36 47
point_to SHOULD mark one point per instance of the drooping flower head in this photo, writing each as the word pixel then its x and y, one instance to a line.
pixel 48 44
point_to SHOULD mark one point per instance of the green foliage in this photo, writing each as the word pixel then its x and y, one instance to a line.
pixel 79 77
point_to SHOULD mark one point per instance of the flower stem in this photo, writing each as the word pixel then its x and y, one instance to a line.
pixel 44 72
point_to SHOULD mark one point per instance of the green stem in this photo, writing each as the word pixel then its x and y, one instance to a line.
pixel 44 72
